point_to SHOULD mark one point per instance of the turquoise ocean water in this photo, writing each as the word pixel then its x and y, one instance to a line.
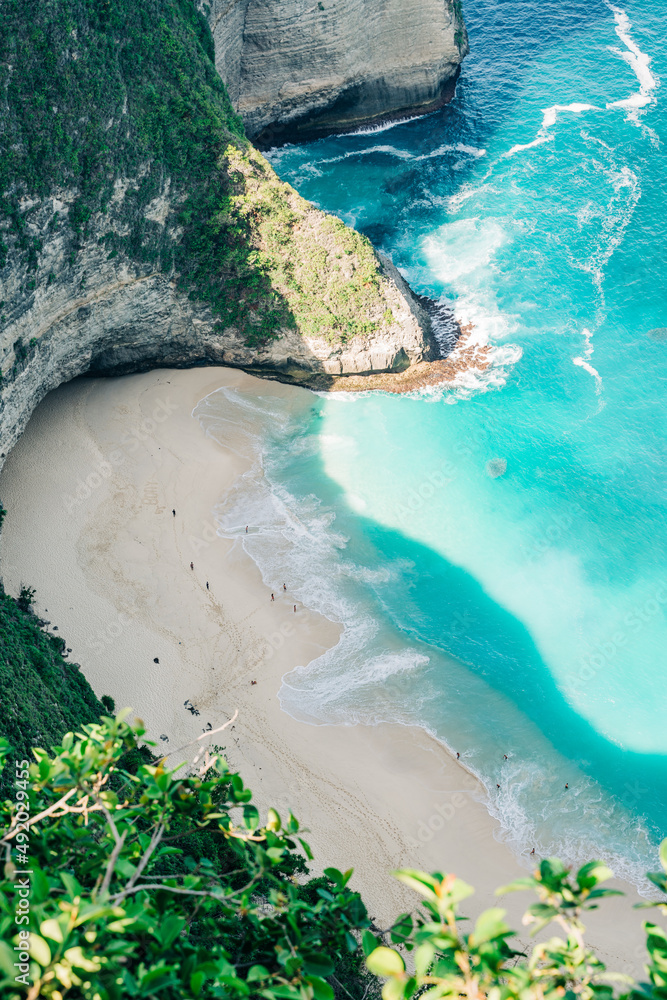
pixel 496 551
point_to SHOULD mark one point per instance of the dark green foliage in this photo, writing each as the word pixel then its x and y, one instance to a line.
pixel 119 102
pixel 109 704
pixel 454 959
pixel 162 884
pixel 26 598
pixel 104 89
pixel 43 696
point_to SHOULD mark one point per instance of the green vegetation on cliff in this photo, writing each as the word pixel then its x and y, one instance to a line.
pixel 42 695
pixel 119 102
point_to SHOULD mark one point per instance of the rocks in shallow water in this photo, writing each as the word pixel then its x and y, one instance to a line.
pixel 659 334
pixel 496 467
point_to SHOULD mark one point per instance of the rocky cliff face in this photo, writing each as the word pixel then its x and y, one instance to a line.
pixel 304 68
pixel 138 227
pixel 95 311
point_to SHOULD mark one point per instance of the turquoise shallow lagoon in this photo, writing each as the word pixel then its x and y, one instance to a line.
pixel 496 551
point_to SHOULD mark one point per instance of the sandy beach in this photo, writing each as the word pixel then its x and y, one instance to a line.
pixel 90 489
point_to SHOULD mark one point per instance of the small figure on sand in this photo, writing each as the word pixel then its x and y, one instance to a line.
pixel 284 586
pixel 246 529
pixel 295 609
pixel 272 597
pixel 458 755
pixel 207 587
pixel 174 513
pixel 192 565
pixel 533 851
pixel 156 659
pixel 253 682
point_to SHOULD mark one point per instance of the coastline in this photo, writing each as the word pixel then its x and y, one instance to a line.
pixel 90 490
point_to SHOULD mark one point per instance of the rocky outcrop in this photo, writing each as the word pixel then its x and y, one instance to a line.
pixel 143 229
pixel 305 68
pixel 106 314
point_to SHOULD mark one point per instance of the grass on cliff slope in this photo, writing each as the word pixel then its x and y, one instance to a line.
pixel 95 91
pixel 42 696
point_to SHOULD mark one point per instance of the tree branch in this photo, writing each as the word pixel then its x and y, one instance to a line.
pixel 113 858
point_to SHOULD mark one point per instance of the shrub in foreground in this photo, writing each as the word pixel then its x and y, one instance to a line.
pixel 145 881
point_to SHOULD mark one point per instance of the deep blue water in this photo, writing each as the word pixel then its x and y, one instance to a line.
pixel 497 550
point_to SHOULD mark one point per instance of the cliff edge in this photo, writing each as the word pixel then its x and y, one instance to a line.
pixel 139 227
pixel 301 69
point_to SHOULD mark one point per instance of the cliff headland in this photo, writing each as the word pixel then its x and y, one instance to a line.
pixel 139 227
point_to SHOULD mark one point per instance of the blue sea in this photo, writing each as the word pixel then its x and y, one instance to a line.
pixel 496 549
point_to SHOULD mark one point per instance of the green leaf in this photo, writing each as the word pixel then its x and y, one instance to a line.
pixel 52 929
pixel 490 925
pixel 663 854
pixel 306 848
pixel 7 959
pixel 517 885
pixel 417 880
pixel 369 943
pixel 335 876
pixel 590 874
pixel 273 821
pixel 402 928
pixel 256 973
pixel 424 956
pixel 197 980
pixel 316 963
pixel 169 929
pixel 393 989
pixel 350 943
pixel 321 989
pixel 39 950
pixel 385 962
pixel 251 817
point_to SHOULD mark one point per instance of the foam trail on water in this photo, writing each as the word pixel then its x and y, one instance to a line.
pixel 404 154
pixel 384 127
pixel 550 116
pixel 584 362
pixel 639 63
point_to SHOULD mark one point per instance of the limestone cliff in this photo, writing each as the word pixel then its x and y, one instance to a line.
pixel 138 227
pixel 304 68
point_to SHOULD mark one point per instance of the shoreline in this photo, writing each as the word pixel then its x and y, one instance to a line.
pixel 90 489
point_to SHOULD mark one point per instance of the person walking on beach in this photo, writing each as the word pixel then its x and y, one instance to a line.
pixel 207 584
pixel 246 529
pixel 174 513
pixel 458 755
pixel 284 586
pixel 295 609
pixel 272 597
pixel 192 565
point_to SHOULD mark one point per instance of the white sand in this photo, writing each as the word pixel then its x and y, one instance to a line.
pixel 112 566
